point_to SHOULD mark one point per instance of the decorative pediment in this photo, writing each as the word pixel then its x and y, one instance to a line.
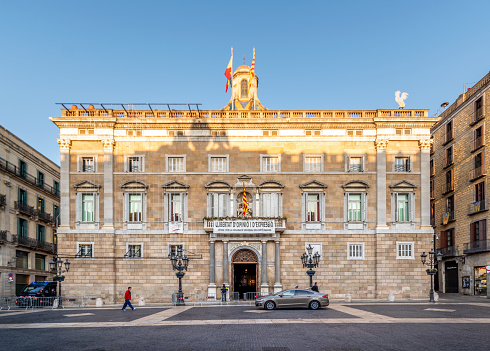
pixel 271 184
pixel 355 184
pixel 314 184
pixel 175 185
pixel 244 180
pixel 218 184
pixel 404 184
pixel 86 185
pixel 134 185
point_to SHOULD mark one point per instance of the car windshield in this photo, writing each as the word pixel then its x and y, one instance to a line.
pixel 32 288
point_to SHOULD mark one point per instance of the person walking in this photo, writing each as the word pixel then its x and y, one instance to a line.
pixel 315 287
pixel 127 300
pixel 223 293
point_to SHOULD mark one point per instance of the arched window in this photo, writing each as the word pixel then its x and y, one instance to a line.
pixel 244 88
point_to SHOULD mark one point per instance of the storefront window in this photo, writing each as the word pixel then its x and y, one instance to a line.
pixel 480 281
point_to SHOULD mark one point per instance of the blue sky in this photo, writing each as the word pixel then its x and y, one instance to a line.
pixel 309 55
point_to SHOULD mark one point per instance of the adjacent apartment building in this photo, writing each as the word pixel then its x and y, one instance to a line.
pixel 138 182
pixel 459 206
pixel 29 206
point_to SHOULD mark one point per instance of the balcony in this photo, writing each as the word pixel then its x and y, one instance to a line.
pixel 450 251
pixel 34 244
pixel 478 143
pixel 355 168
pixel 3 236
pixel 24 209
pixel 13 169
pixel 245 227
pixel 476 246
pixel 477 207
pixel 45 217
pixel 447 188
pixel 478 172
pixel 447 217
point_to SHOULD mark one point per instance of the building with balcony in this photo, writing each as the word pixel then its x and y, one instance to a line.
pixel 29 206
pixel 138 183
pixel 459 208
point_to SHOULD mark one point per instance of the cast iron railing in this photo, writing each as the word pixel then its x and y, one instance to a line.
pixel 476 246
pixel 33 243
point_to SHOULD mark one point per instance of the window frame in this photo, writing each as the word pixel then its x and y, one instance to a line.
pixel 263 157
pixel 348 163
pixel 134 244
pixel 170 247
pixel 404 256
pixel 311 156
pixel 449 156
pixel 407 168
pixel 223 211
pixel 40 233
pixel 349 251
pixel 226 165
pixel 86 243
pixel 167 163
pixel 127 163
pixel 80 165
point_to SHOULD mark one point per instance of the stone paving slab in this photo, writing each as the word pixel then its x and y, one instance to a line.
pixel 227 313
pixel 427 310
pixel 83 315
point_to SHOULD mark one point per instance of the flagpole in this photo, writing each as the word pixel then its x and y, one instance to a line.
pixel 255 106
pixel 231 82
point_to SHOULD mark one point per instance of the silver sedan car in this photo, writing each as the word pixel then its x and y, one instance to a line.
pixel 293 298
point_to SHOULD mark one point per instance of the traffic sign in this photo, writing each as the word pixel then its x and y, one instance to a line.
pixel 11 277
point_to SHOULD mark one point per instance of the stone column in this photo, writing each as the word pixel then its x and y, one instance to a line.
pixel 381 145
pixel 424 146
pixel 264 287
pixel 108 183
pixel 225 263
pixel 212 270
pixel 65 145
pixel 277 267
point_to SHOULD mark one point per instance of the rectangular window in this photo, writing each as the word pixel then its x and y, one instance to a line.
pixel 403 131
pixel 40 262
pixel 449 186
pixel 314 132
pixel 135 164
pixel 478 164
pixel 86 131
pixel 354 210
pixel 85 250
pixel 478 138
pixel 433 214
pixel 219 164
pixel 449 132
pixel 478 114
pixel 478 232
pixel 217 133
pixel 355 251
pixel 175 208
pixel 135 207
pixel 22 169
pixel 354 132
pixel 404 250
pixel 269 132
pixel 22 260
pixel 88 207
pixel 402 164
pixel 40 232
pixel 22 227
pixel 449 156
pixel 432 170
pixel 313 164
pixel 88 164
pixel 134 251
pixel 40 204
pixel 431 188
pixel 56 211
pixel 175 164
pixel 313 207
pixel 270 164
pixel 480 191
pixel 403 207
pixel 355 164
pixel 270 204
pixel 40 179
pixel 219 205
pixel 56 187
pixel 22 196
pixel 135 133
pixel 173 249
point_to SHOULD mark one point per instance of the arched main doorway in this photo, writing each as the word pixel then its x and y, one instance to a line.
pixel 244 271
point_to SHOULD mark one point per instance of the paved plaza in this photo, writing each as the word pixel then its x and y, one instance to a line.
pixel 450 324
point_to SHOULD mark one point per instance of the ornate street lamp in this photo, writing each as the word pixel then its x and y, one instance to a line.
pixel 179 263
pixel 431 271
pixel 57 267
pixel 310 261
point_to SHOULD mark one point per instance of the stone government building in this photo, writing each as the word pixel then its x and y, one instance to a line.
pixel 138 183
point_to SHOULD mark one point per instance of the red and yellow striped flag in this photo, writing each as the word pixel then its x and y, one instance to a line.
pixel 252 72
pixel 228 71
pixel 245 203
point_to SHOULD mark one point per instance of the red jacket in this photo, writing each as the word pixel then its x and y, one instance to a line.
pixel 127 295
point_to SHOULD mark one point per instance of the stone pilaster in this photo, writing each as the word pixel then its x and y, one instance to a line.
pixel 381 145
pixel 264 287
pixel 108 183
pixel 277 267
pixel 225 263
pixel 424 146
pixel 65 146
pixel 212 270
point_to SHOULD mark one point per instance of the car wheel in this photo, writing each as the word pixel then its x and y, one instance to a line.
pixel 314 305
pixel 269 305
